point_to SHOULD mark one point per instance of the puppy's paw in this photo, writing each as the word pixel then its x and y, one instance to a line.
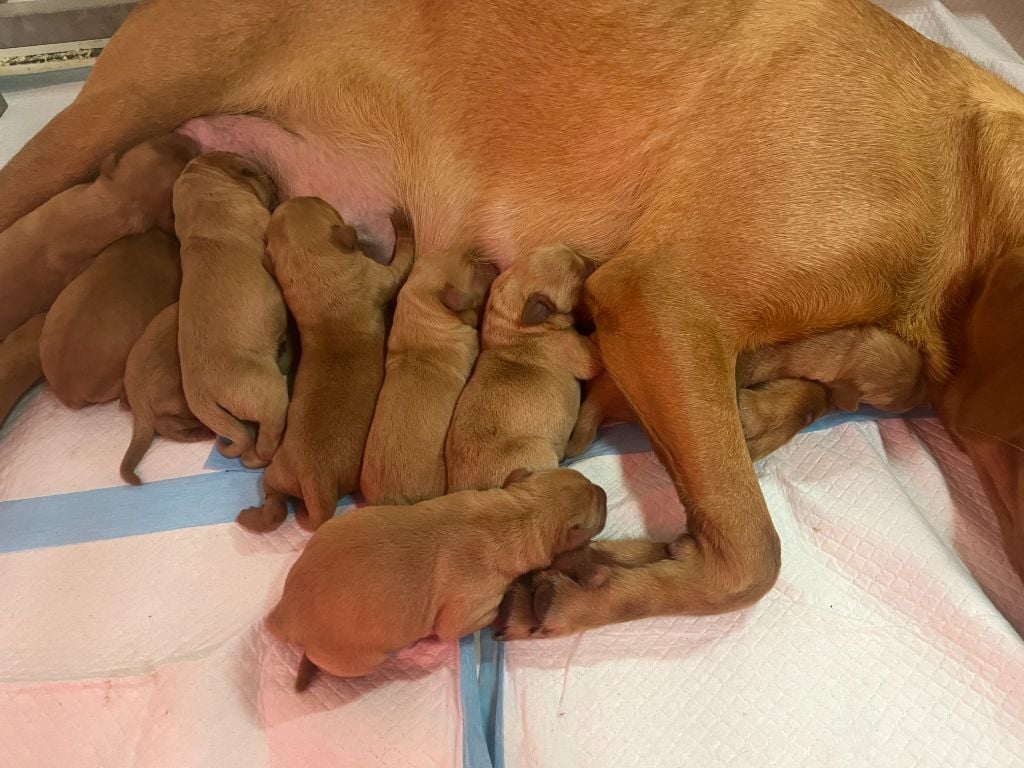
pixel 515 614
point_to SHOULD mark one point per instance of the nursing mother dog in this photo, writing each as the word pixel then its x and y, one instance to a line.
pixel 746 171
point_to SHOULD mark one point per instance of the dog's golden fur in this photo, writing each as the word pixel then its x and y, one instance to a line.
pixel 49 247
pixel 340 300
pixel 19 363
pixel 94 323
pixel 752 171
pixel 232 321
pixel 520 404
pixel 153 393
pixel 378 579
pixel 432 346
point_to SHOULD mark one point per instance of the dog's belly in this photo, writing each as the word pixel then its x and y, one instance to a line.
pixel 350 179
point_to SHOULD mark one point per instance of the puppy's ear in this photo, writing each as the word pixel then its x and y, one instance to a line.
pixel 485 271
pixel 456 300
pixel 577 538
pixel 537 310
pixel 516 476
pixel 343 236
pixel 109 165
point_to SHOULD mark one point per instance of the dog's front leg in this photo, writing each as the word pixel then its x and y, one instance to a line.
pixel 664 346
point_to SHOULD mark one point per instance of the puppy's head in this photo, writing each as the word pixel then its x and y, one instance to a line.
pixel 144 175
pixel 542 288
pixel 576 507
pixel 244 172
pixel 305 228
pixel 467 279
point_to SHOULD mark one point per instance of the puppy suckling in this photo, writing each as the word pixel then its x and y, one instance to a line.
pixel 340 299
pixel 96 320
pixel 784 388
pixel 772 413
pixel 153 392
pixel 520 404
pixel 19 363
pixel 432 347
pixel 232 320
pixel 377 579
pixel 860 365
pixel 47 248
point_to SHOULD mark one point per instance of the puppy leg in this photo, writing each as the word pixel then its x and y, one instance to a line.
pixel 666 352
pixel 401 262
pixel 581 356
pixel 603 401
pixel 268 517
pixel 773 413
pixel 20 366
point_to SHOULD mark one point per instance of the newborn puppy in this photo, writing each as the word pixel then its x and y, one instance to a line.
pixel 520 404
pixel 231 319
pixel 152 389
pixel 19 364
pixel 862 365
pixel 96 320
pixel 46 249
pixel 339 298
pixel 771 413
pixel 377 579
pixel 432 347
pixel 785 388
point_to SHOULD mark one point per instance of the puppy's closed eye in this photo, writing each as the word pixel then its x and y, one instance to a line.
pixel 537 310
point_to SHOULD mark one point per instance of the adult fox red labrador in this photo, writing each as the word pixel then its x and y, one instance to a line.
pixel 749 171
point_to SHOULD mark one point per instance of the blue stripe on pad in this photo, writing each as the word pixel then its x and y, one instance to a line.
pixel 474 744
pixel 111 513
pixel 492 693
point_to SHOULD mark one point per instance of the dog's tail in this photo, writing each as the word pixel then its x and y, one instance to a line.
pixel 142 438
pixel 306 674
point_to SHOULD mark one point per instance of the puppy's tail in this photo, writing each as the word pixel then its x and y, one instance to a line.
pixel 306 674
pixel 142 438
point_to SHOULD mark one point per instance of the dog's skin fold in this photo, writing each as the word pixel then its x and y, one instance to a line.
pixel 751 172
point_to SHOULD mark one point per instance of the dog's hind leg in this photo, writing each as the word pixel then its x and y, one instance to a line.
pixel 170 61
pixel 667 351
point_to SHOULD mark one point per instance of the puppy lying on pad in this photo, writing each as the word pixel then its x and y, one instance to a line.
pixel 153 392
pixel 96 320
pixel 47 248
pixel 339 298
pixel 377 579
pixel 231 319
pixel 784 388
pixel 432 347
pixel 519 407
pixel 19 364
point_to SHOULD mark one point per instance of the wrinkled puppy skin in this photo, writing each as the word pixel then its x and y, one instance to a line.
pixel 432 347
pixel 519 406
pixel 153 392
pixel 232 320
pixel 377 579
pixel 95 322
pixel 340 299
pixel 48 248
